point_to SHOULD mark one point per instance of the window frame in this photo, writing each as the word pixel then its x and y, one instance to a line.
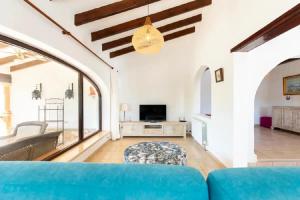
pixel 81 76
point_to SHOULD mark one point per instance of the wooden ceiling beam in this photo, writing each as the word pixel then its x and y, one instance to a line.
pixel 8 59
pixel 162 29
pixel 282 24
pixel 109 10
pixel 3 45
pixel 289 60
pixel 26 65
pixel 168 37
pixel 171 12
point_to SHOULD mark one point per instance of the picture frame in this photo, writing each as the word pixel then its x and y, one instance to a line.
pixel 219 75
pixel 291 85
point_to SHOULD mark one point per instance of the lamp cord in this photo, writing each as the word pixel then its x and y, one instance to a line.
pixel 148 7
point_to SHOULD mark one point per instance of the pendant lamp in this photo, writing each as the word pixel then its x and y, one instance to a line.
pixel 147 39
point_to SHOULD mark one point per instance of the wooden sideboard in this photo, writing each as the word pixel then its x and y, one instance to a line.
pixel 286 118
pixel 146 129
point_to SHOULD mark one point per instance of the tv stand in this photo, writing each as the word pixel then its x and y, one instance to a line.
pixel 154 129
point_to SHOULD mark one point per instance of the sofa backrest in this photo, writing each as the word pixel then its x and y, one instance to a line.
pixel 255 183
pixel 46 180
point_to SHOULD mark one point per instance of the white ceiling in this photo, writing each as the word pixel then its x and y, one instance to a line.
pixel 63 12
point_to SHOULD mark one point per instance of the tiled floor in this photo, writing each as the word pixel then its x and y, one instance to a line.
pixel 112 152
pixel 276 144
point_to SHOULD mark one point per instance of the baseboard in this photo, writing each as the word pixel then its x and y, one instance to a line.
pixel 91 149
pixel 252 158
pixel 208 151
pixel 226 164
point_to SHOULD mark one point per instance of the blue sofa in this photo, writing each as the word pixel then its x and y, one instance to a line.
pixel 278 183
pixel 61 181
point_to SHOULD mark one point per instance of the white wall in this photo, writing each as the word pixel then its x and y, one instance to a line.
pixel 270 90
pixel 55 79
pixel 263 100
pixel 156 79
pixel 284 70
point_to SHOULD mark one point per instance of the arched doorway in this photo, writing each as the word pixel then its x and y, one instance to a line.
pixel 202 92
pixel 276 117
pixel 250 70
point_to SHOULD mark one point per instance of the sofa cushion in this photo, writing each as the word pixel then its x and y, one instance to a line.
pixel 45 180
pixel 254 183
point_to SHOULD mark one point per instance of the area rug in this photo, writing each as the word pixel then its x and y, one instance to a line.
pixel 155 153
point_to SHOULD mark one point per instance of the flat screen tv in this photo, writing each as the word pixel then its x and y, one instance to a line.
pixel 153 112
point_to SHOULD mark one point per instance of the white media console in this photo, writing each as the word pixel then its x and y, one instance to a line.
pixel 146 129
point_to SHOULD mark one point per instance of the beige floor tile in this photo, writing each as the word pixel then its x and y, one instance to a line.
pixel 112 152
pixel 276 144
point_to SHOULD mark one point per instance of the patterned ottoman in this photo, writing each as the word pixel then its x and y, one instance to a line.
pixel 155 153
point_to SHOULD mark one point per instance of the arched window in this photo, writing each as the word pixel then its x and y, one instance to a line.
pixel 47 95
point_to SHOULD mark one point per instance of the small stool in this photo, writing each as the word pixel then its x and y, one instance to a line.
pixel 155 153
pixel 266 121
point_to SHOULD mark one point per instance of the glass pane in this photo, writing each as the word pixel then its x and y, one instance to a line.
pixel 90 107
pixel 35 113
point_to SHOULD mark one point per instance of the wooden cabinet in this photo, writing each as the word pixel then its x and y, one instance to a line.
pixel 287 118
pixel 174 130
pixel 296 119
pixel 277 117
pixel 131 129
pixel 163 129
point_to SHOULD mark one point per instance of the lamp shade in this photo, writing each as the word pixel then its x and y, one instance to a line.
pixel 124 107
pixel 92 91
pixel 147 39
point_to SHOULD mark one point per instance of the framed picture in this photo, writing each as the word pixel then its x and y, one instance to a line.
pixel 291 85
pixel 219 74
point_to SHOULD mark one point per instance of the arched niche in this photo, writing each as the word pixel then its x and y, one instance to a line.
pixel 205 93
pixel 202 94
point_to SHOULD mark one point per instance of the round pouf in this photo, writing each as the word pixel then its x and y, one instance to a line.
pixel 155 153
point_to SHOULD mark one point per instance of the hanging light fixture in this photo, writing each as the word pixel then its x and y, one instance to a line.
pixel 69 94
pixel 37 92
pixel 147 39
pixel 92 92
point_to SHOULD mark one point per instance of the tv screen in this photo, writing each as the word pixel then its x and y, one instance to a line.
pixel 153 112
